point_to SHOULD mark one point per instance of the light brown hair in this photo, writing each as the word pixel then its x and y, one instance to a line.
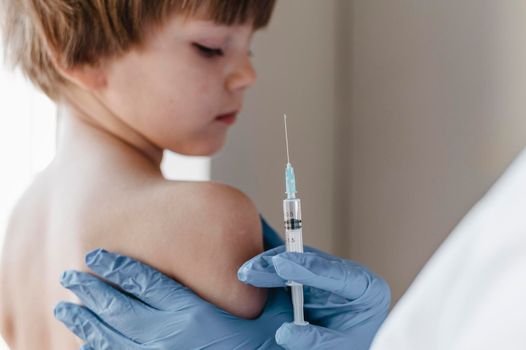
pixel 39 33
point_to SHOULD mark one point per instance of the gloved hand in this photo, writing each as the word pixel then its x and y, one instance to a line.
pixel 345 303
pixel 160 313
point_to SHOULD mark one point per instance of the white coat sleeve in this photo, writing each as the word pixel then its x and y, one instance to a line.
pixel 472 293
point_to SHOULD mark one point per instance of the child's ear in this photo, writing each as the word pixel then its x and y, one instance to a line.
pixel 89 77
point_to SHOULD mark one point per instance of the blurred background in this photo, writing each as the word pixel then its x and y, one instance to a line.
pixel 402 114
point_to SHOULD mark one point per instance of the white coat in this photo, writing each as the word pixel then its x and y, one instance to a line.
pixel 471 295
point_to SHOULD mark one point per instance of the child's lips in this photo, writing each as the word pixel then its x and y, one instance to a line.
pixel 229 118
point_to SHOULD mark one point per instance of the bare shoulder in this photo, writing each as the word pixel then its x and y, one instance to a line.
pixel 214 203
pixel 199 233
pixel 211 209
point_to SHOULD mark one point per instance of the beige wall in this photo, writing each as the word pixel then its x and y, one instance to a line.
pixel 438 109
pixel 409 111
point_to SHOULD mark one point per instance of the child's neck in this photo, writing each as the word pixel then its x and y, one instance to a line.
pixel 80 133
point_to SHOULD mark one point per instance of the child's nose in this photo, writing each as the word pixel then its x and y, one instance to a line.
pixel 242 77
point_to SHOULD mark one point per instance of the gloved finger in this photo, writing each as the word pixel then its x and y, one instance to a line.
pixel 86 347
pixel 142 281
pixel 110 305
pixel 85 325
pixel 294 337
pixel 341 277
pixel 260 272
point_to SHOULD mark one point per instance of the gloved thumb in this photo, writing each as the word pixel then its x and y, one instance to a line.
pixel 295 337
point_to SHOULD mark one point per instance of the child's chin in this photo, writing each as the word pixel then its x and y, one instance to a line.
pixel 201 149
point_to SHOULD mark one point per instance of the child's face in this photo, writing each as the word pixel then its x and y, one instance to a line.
pixel 173 88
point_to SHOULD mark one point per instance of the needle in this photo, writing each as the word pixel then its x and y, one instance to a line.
pixel 286 137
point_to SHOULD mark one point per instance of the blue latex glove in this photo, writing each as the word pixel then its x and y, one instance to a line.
pixel 345 303
pixel 157 312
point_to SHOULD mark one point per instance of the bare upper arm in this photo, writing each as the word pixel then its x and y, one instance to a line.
pixel 199 234
pixel 227 232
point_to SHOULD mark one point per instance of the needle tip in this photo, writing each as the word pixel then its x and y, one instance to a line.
pixel 286 137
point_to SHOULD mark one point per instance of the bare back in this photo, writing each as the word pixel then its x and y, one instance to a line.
pixel 61 217
pixel 34 255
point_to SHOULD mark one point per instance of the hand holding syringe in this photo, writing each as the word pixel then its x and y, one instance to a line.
pixel 293 231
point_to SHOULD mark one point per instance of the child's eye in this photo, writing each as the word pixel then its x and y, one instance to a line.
pixel 208 51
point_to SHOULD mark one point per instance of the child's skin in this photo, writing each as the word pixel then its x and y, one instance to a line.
pixel 105 189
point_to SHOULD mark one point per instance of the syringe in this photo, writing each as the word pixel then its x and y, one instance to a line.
pixel 293 231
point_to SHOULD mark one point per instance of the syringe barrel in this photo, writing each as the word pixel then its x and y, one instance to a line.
pixel 294 243
pixel 293 225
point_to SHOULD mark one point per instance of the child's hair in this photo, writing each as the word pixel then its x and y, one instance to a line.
pixel 38 33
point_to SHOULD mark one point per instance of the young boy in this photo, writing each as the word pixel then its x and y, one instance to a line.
pixel 130 78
